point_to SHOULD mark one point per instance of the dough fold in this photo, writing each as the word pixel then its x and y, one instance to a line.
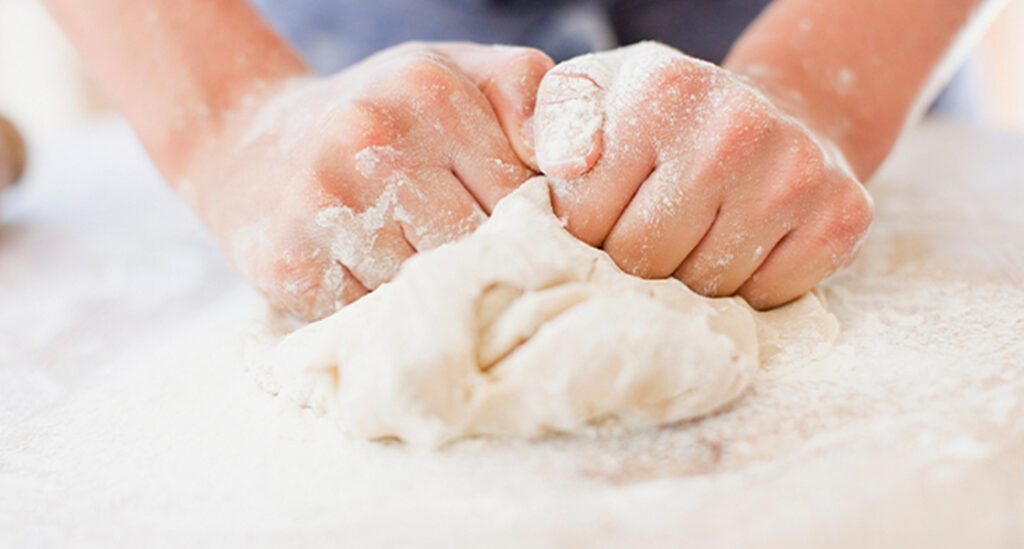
pixel 518 330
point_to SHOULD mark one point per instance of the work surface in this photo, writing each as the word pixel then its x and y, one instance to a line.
pixel 126 415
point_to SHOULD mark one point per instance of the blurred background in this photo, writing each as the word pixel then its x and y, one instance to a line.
pixel 44 89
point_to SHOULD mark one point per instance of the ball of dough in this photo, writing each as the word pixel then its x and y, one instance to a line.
pixel 521 330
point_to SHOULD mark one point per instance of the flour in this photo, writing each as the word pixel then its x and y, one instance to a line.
pixel 522 330
pixel 130 419
pixel 354 238
pixel 575 104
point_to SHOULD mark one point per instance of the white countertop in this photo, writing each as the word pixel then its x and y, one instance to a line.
pixel 907 432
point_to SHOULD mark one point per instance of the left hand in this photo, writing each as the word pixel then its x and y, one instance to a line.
pixel 677 167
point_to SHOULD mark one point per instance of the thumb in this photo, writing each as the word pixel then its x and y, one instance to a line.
pixel 569 116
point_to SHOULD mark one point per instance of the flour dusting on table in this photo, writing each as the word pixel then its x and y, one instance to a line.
pixel 903 433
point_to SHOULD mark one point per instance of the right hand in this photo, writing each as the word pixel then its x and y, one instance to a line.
pixel 677 167
pixel 320 189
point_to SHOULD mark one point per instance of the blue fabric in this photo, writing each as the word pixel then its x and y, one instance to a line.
pixel 332 34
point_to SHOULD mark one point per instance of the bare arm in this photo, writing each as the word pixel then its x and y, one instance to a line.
pixel 726 178
pixel 282 165
pixel 858 70
pixel 175 67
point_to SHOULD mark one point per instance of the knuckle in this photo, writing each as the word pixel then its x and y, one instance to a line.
pixel 745 130
pixel 839 242
pixel 834 247
pixel 429 74
pixel 785 193
pixel 802 173
pixel 633 259
pixel 532 61
pixel 862 207
pixel 669 81
pixel 665 72
pixel 854 215
pixel 520 77
pixel 704 275
pixel 305 197
pixel 360 125
pixel 750 120
pixel 808 161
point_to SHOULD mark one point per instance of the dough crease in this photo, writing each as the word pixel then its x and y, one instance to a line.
pixel 518 330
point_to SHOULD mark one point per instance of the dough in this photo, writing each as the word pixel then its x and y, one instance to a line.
pixel 521 330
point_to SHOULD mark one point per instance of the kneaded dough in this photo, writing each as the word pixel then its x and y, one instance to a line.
pixel 520 330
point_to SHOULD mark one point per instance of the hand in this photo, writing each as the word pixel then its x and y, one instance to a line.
pixel 320 190
pixel 680 168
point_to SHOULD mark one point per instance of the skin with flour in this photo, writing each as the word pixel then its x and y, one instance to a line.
pixel 745 178
pixel 439 135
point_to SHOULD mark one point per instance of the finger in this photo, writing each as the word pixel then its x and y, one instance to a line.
pixel 749 223
pixel 464 123
pixel 591 204
pixel 311 286
pixel 509 77
pixel 513 94
pixel 647 114
pixel 339 282
pixel 368 243
pixel 579 98
pixel 796 264
pixel 664 221
pixel 450 122
pixel 336 287
pixel 438 210
pixel 569 117
pixel 731 251
pixel 827 240
pixel 485 162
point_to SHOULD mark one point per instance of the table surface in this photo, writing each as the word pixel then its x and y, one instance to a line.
pixel 121 329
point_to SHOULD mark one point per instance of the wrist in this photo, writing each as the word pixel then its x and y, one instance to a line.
pixel 821 114
pixel 860 70
pixel 212 94
pixel 183 136
pixel 825 117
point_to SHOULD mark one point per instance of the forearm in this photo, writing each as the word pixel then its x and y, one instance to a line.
pixel 857 70
pixel 175 67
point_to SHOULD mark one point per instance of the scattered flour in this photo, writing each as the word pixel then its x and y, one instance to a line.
pixel 118 429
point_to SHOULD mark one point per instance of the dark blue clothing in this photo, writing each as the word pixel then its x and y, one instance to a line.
pixel 333 34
